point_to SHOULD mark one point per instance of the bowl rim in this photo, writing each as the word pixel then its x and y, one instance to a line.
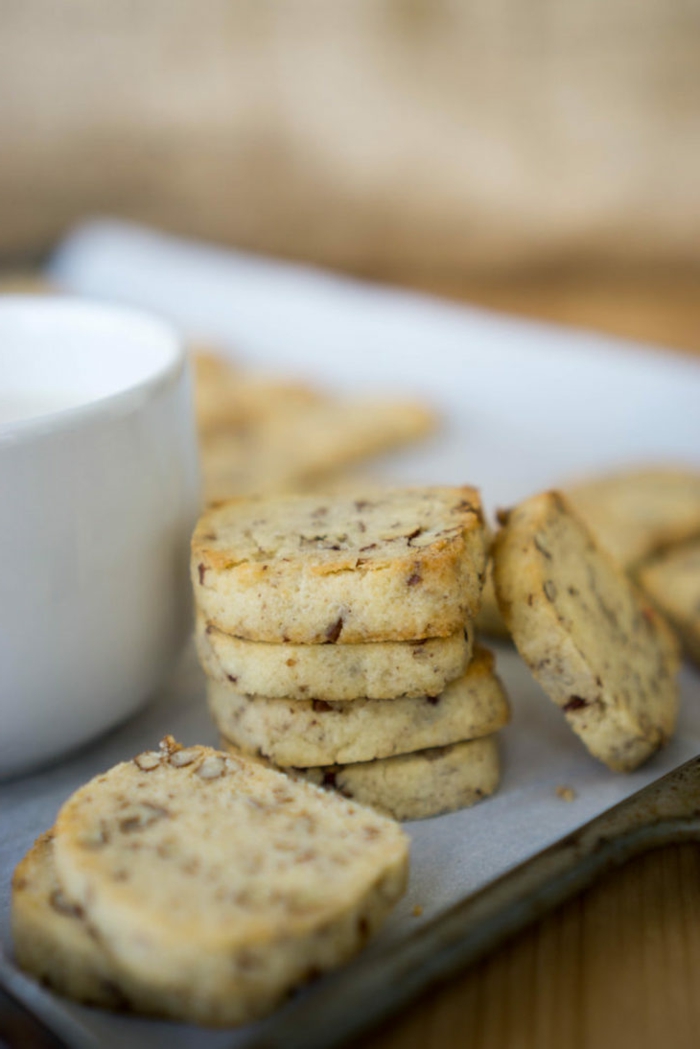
pixel 110 404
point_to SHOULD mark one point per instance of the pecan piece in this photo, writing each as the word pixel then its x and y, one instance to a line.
pixel 575 703
pixel 141 816
pixel 148 761
pixel 212 767
pixel 334 630
pixel 60 902
pixel 550 590
pixel 181 758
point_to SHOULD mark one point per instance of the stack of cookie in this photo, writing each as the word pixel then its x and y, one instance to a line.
pixel 336 635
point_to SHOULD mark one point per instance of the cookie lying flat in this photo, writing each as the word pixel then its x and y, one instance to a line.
pixel 374 670
pixel 596 648
pixel 673 582
pixel 220 883
pixel 635 513
pixel 414 786
pixel 231 398
pixel 400 566
pixel 316 732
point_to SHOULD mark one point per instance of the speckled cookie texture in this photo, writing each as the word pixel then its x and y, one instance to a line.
pixel 672 581
pixel 219 884
pixel 404 565
pixel 318 732
pixel 369 670
pixel 53 942
pixel 260 433
pixel 595 645
pixel 635 513
pixel 418 785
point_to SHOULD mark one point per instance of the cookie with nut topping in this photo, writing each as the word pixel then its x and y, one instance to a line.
pixel 596 646
pixel 218 885
pixel 319 732
pixel 401 565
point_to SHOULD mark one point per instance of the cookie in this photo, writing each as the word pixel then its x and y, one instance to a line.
pixel 373 670
pixel 294 447
pixel 53 943
pixel 596 647
pixel 222 882
pixel 489 621
pixel 672 581
pixel 413 786
pixel 400 566
pixel 228 397
pixel 316 732
pixel 635 513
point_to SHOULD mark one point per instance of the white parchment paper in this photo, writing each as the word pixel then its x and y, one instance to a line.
pixel 525 405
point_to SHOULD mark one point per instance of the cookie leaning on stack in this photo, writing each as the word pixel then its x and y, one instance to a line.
pixel 336 636
pixel 589 636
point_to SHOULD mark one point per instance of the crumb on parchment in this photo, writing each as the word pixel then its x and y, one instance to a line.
pixel 417 911
pixel 565 793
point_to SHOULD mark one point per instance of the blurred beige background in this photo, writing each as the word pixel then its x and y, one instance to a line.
pixel 388 137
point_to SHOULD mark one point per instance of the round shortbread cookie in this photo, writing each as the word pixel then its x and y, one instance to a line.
pixel 316 732
pixel 673 583
pixel 374 670
pixel 414 786
pixel 221 881
pixel 596 647
pixel 401 565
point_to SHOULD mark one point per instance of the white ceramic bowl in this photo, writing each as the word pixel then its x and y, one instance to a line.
pixel 99 492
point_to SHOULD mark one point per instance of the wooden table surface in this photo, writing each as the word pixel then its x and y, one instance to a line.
pixel 620 965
